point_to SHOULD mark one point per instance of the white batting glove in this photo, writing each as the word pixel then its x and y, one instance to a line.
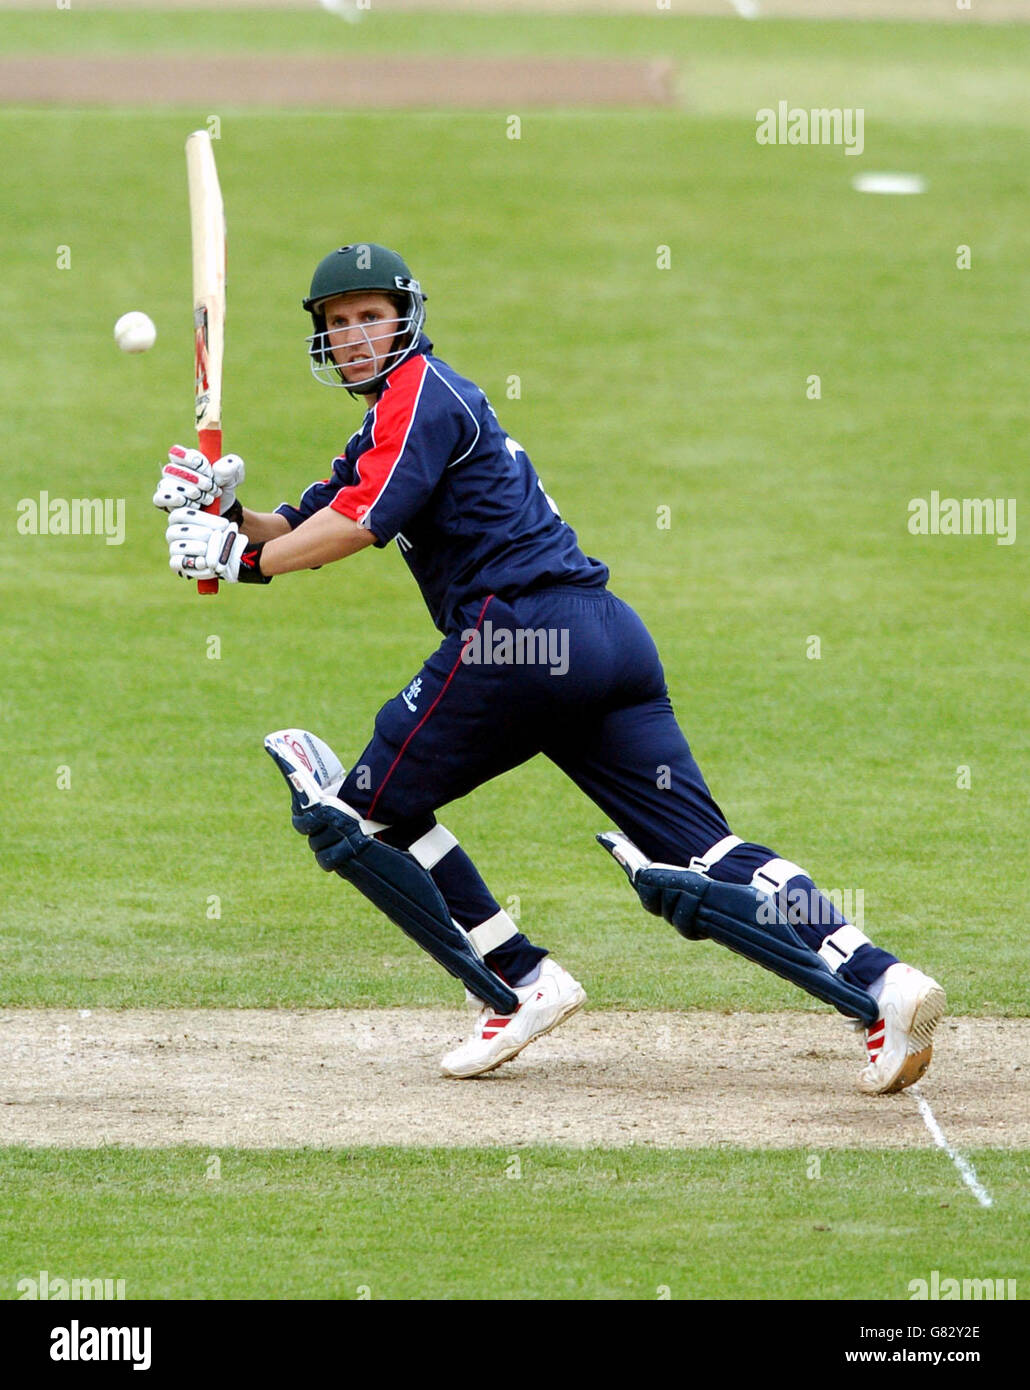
pixel 188 479
pixel 229 472
pixel 204 546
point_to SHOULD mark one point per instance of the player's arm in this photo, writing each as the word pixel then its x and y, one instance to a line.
pixel 231 545
pixel 203 546
pixel 322 538
pixel 263 526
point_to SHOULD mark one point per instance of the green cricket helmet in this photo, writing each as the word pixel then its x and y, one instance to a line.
pixel 365 266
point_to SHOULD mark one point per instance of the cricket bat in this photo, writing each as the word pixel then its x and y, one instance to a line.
pixel 207 227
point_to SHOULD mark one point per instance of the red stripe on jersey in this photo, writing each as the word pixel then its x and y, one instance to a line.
pixel 443 690
pixel 394 415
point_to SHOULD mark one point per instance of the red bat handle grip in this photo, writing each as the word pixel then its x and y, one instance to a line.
pixel 209 442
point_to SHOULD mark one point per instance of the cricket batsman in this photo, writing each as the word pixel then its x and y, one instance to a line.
pixel 537 655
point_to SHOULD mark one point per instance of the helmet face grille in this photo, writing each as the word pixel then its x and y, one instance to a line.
pixel 335 352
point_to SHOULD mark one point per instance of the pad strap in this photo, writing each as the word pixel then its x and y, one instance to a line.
pixel 432 846
pixel 840 945
pixel 701 863
pixel 838 948
pixel 494 932
pixel 774 875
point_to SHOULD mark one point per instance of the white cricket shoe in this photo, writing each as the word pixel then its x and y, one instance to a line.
pixel 900 1042
pixel 497 1038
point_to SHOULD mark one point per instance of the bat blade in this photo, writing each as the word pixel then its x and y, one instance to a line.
pixel 207 229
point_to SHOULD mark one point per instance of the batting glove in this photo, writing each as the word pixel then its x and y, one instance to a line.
pixel 204 546
pixel 188 480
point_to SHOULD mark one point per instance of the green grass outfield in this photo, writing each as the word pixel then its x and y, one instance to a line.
pixel 430 1223
pixel 641 389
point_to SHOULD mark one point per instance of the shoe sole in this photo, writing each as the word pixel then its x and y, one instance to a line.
pixel 929 1012
pixel 567 1012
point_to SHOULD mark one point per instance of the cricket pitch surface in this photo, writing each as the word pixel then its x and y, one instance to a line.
pixel 345 1077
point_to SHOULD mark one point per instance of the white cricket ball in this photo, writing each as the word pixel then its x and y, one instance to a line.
pixel 135 332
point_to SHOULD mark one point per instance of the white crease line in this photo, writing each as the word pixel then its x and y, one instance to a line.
pixel 965 1168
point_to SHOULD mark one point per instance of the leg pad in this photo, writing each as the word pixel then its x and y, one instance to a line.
pixel 397 882
pixel 739 917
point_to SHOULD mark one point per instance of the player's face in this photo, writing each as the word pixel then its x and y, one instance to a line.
pixel 361 328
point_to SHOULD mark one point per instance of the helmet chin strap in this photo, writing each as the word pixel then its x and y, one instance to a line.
pixel 367 388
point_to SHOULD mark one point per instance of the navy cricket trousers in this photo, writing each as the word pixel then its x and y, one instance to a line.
pixel 569 672
pixel 573 673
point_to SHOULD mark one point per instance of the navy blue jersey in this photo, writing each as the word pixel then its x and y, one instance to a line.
pixel 432 468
